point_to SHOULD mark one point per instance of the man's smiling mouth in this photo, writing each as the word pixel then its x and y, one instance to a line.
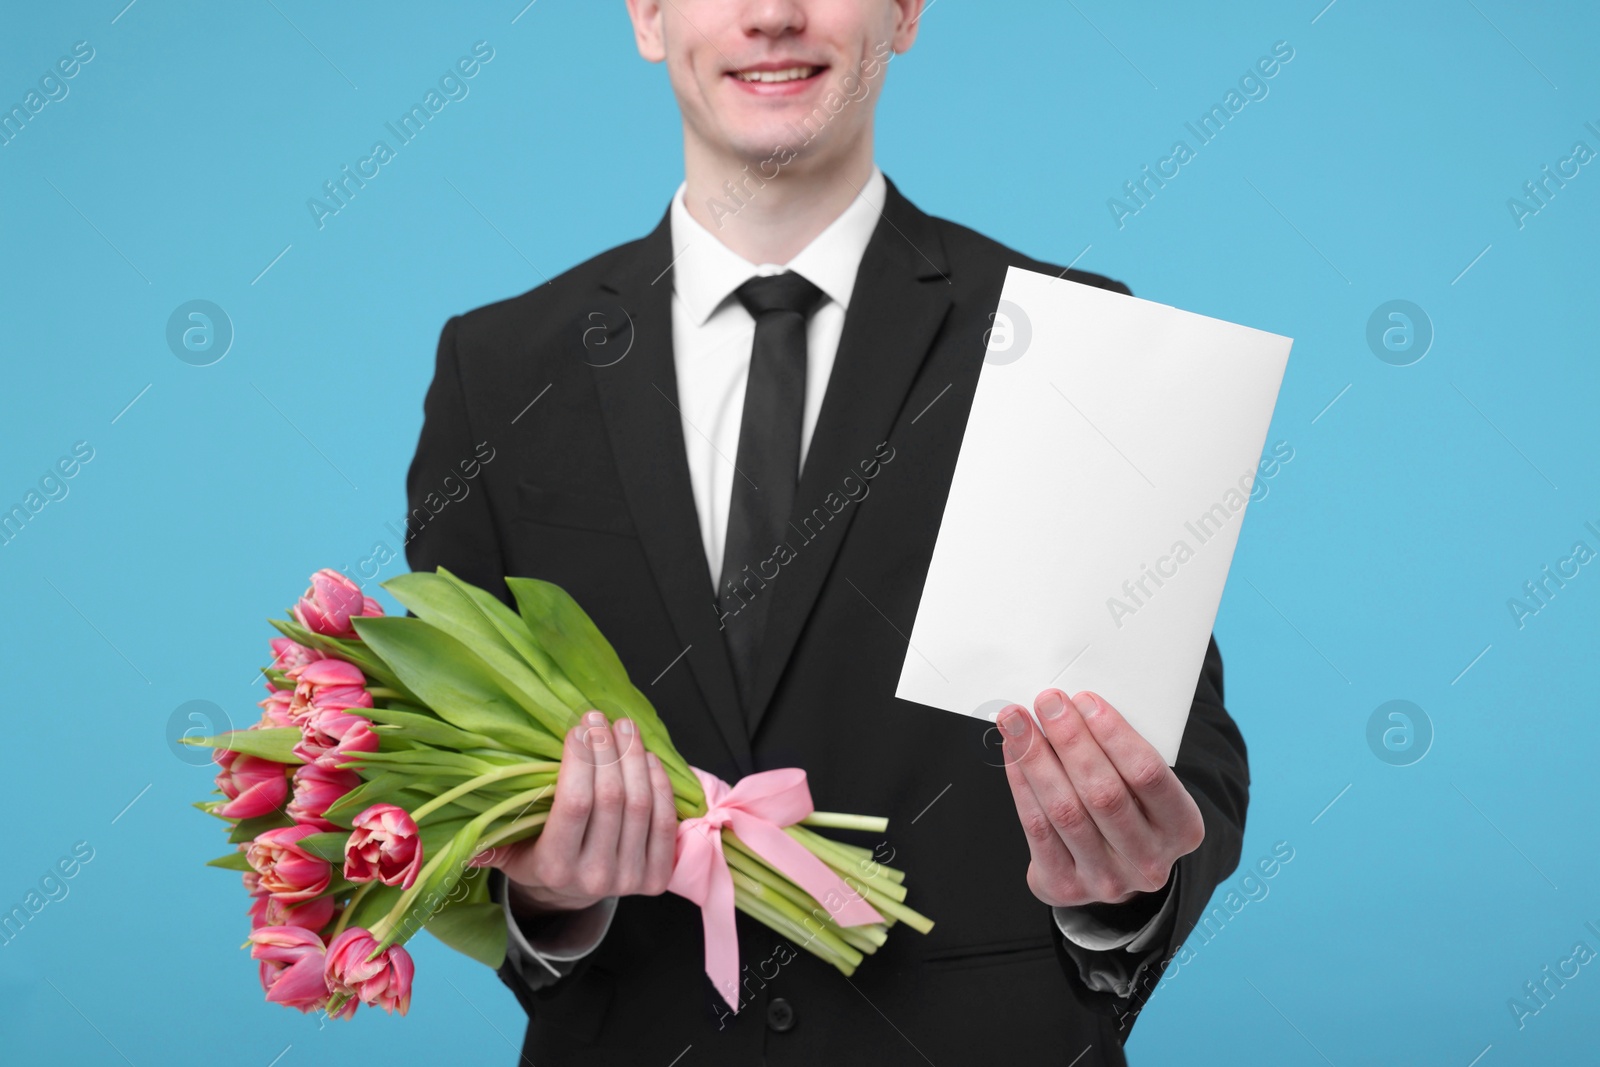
pixel 785 74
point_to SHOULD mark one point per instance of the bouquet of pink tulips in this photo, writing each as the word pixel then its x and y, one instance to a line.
pixel 393 751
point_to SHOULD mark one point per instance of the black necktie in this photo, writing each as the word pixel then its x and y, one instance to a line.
pixel 768 462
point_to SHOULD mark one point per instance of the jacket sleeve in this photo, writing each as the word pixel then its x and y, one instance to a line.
pixel 454 529
pixel 539 956
pixel 1119 952
pixel 1214 767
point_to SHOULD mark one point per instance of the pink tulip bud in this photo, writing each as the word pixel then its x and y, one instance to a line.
pixel 253 786
pixel 284 944
pixel 384 845
pixel 327 684
pixel 293 966
pixel 288 872
pixel 275 710
pixel 312 915
pixel 383 982
pixel 370 608
pixel 329 737
pixel 329 603
pixel 328 672
pixel 287 654
pixel 315 791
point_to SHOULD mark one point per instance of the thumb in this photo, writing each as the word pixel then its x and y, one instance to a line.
pixel 498 856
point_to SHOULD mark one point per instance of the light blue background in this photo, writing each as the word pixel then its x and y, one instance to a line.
pixel 1378 567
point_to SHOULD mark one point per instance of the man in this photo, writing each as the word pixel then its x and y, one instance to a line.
pixel 732 441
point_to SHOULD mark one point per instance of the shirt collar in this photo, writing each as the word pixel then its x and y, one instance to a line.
pixel 706 271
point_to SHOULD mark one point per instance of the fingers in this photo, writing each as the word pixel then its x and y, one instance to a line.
pixel 561 840
pixel 1162 797
pixel 1053 864
pixel 637 808
pixel 1057 797
pixel 663 848
pixel 597 861
pixel 1105 798
pixel 1166 803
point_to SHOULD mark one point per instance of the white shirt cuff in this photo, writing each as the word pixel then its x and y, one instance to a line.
pixel 1085 931
pixel 562 939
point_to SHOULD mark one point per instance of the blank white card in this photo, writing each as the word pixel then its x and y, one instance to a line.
pixel 1095 506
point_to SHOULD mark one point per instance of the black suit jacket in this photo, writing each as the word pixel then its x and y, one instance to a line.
pixel 571 387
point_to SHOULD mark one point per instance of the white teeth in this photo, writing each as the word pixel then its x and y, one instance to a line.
pixel 791 74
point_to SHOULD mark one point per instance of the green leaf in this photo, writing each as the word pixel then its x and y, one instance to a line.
pixel 455 683
pixel 448 606
pixel 476 930
pixel 432 598
pixel 328 846
pixel 274 743
pixel 433 757
pixel 232 861
pixel 516 634
pixel 565 631
pixel 438 833
pixel 246 830
pixel 373 905
pixel 434 890
pixel 427 729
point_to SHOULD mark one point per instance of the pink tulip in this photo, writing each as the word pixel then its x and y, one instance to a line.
pixel 287 654
pixel 370 608
pixel 327 684
pixel 329 737
pixel 312 915
pixel 329 603
pixel 328 672
pixel 253 786
pixel 384 982
pixel 385 846
pixel 315 791
pixel 293 967
pixel 289 872
pixel 275 710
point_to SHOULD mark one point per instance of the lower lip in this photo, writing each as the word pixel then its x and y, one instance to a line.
pixel 794 87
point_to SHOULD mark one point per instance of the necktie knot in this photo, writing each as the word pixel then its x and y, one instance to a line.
pixel 779 292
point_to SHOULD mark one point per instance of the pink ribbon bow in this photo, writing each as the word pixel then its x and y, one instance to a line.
pixel 756 810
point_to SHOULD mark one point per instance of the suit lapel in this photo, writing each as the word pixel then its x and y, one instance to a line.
pixel 639 399
pixel 901 297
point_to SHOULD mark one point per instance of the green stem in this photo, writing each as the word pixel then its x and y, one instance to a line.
pixel 349 909
pixel 512 829
pixel 769 917
pixel 773 921
pixel 828 851
pixel 511 771
pixel 868 939
pixel 895 910
pixel 798 919
pixel 873 824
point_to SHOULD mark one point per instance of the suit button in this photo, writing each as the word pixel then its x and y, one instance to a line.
pixel 780 1015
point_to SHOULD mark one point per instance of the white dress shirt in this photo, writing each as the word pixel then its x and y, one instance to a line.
pixel 712 337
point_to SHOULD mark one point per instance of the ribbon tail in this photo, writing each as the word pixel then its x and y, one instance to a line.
pixel 844 905
pixel 721 932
